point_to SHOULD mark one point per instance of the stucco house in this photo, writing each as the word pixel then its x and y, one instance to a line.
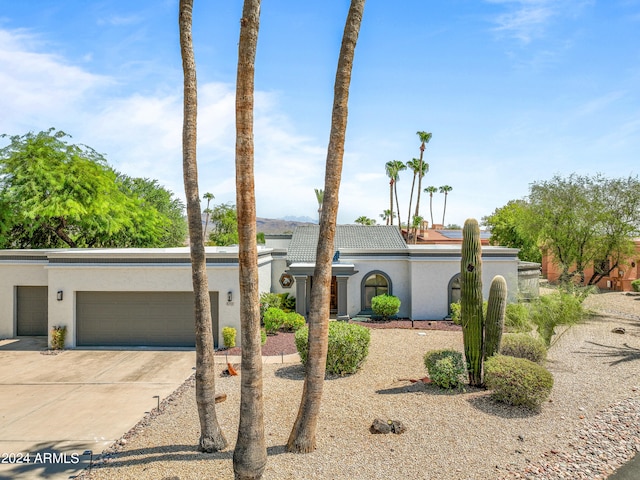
pixel 142 297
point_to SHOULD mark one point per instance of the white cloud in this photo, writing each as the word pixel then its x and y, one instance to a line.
pixel 526 20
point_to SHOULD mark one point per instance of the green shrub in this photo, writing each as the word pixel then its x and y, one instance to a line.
pixel 446 368
pixel 455 312
pixel 558 308
pixel 523 345
pixel 273 319
pixel 287 302
pixel 636 285
pixel 385 305
pixel 516 318
pixel 263 336
pixel 517 381
pixel 348 347
pixel 456 309
pixel 58 335
pixel 229 337
pixel 268 300
pixel 293 322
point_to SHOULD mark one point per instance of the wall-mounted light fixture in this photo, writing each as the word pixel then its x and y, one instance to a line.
pixel 229 296
pixel 59 295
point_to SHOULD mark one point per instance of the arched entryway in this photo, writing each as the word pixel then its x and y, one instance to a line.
pixel 454 291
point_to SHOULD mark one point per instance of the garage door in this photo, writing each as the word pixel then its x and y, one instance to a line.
pixel 156 319
pixel 32 310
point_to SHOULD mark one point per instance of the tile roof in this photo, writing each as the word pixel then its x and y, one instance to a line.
pixel 361 237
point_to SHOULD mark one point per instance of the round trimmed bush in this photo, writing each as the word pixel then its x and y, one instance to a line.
pixel 293 322
pixel 446 368
pixel 522 345
pixel 385 305
pixel 229 337
pixel 348 347
pixel 636 285
pixel 273 319
pixel 517 381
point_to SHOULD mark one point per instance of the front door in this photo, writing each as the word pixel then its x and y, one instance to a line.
pixel 333 305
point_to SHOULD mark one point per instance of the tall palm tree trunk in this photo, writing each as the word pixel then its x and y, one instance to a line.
pixel 250 454
pixel 444 210
pixel 391 183
pixel 413 184
pixel 303 435
pixel 211 436
pixel 395 191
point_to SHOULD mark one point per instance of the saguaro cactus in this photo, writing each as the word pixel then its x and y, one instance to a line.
pixel 471 300
pixel 494 323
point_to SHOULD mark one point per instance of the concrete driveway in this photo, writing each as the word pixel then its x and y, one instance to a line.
pixel 56 407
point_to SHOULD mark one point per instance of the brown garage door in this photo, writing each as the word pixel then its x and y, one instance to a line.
pixel 32 310
pixel 156 319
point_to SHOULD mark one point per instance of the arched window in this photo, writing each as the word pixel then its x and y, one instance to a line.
pixel 454 291
pixel 374 283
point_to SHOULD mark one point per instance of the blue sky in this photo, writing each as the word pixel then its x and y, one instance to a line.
pixel 513 91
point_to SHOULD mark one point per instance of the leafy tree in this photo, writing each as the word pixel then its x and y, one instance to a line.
pixel 250 453
pixel 303 435
pixel 57 194
pixel 582 221
pixel 154 196
pixel 224 225
pixel 508 226
pixel 431 190
pixel 445 189
pixel 211 436
pixel 365 220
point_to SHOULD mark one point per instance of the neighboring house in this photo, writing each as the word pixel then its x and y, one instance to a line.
pixel 618 280
pixel 142 297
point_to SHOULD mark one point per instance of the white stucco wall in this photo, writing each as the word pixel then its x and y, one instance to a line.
pixel 12 275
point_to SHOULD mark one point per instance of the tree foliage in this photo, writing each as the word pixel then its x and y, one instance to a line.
pixel 224 225
pixel 585 221
pixel 508 229
pixel 56 194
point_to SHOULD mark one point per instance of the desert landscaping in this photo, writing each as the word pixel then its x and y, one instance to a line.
pixel 588 428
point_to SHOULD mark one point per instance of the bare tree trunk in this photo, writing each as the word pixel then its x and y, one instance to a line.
pixel 211 436
pixel 303 435
pixel 250 454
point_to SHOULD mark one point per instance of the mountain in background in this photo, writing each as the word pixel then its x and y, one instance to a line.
pixel 304 220
pixel 281 225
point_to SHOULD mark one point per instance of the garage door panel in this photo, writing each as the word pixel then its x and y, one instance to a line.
pixel 32 307
pixel 138 318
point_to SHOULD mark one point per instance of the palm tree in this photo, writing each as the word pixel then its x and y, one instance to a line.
pixel 431 190
pixel 415 225
pixel 250 454
pixel 363 220
pixel 445 189
pixel 392 174
pixel 393 169
pixel 208 197
pixel 303 435
pixel 416 166
pixel 386 215
pixel 211 436
pixel 424 139
pixel 319 198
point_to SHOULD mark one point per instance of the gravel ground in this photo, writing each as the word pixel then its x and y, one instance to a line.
pixel 590 426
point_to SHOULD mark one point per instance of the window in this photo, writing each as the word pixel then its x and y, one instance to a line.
pixel 374 284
